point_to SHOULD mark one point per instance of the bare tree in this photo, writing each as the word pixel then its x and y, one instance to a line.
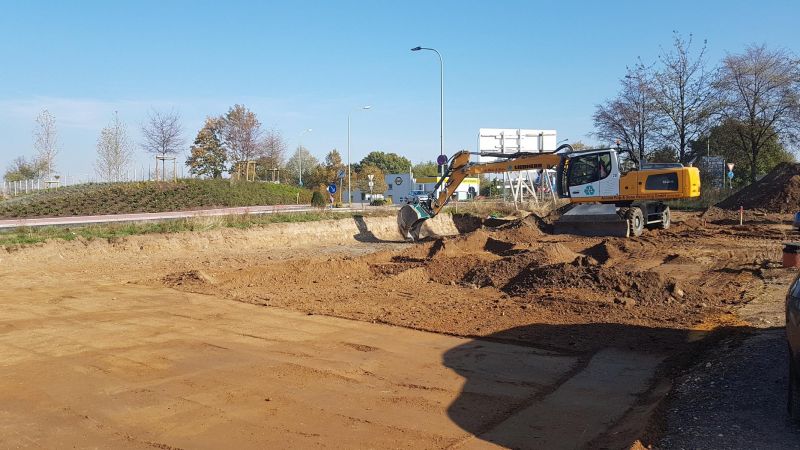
pixel 273 149
pixel 45 141
pixel 761 89
pixel 683 95
pixel 162 133
pixel 632 117
pixel 242 134
pixel 114 151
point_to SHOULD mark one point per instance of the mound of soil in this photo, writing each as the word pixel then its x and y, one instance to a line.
pixel 499 273
pixel 645 288
pixel 778 191
pixel 190 278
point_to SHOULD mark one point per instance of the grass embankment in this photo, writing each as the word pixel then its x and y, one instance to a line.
pixel 26 236
pixel 149 196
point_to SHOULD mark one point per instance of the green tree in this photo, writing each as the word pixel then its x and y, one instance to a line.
pixel 22 169
pixel 327 171
pixel 303 160
pixel 387 162
pixel 362 179
pixel 425 169
pixel 208 155
pixel 726 140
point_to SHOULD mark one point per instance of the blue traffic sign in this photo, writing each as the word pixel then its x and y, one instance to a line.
pixel 730 174
pixel 332 188
pixel 441 160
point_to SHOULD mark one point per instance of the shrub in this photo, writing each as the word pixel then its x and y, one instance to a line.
pixel 317 200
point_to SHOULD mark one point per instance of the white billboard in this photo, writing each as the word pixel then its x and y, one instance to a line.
pixel 513 140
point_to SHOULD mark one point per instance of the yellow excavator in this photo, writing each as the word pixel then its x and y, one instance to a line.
pixel 616 196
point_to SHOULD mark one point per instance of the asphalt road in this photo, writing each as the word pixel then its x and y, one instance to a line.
pixel 169 215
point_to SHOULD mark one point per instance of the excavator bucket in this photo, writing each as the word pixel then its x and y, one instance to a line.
pixel 593 220
pixel 410 219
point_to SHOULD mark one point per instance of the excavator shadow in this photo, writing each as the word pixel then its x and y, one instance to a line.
pixel 568 386
pixel 365 235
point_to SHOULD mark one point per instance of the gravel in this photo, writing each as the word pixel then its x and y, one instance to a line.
pixel 734 399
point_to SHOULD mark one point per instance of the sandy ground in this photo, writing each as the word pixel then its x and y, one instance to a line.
pixel 337 335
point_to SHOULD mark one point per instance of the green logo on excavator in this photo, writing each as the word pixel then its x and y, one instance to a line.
pixel 589 190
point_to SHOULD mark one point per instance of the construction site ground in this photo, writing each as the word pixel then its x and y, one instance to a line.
pixel 340 335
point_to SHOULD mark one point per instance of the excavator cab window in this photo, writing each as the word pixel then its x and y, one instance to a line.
pixel 583 170
pixel 604 167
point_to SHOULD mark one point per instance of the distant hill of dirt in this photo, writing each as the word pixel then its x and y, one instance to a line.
pixel 778 191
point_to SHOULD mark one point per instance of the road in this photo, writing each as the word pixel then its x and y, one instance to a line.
pixel 170 215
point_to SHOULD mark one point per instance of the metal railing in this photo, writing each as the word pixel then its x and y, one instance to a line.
pixel 21 187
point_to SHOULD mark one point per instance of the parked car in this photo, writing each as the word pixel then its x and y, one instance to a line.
pixel 417 197
pixel 793 338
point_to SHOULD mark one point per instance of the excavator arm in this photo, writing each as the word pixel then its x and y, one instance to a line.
pixel 411 217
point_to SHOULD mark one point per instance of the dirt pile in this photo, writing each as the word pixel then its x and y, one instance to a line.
pixel 778 191
pixel 188 279
pixel 644 288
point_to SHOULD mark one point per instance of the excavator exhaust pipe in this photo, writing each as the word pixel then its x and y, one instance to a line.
pixel 410 219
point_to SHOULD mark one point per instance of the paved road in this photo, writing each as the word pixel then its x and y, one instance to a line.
pixel 736 398
pixel 141 217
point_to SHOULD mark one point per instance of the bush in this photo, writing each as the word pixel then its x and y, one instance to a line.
pixel 378 202
pixel 317 200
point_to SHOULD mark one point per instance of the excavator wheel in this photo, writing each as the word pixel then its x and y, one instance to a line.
pixel 666 219
pixel 635 219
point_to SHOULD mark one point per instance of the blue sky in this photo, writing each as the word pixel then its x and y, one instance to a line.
pixel 306 64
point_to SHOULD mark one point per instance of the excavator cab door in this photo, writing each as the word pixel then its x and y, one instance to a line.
pixel 608 167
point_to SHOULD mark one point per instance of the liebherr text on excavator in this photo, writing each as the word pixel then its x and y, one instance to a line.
pixel 612 201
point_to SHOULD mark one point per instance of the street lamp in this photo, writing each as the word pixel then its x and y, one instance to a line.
pixel 441 98
pixel 300 156
pixel 349 193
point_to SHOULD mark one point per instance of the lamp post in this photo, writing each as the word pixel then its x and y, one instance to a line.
pixel 441 98
pixel 300 156
pixel 349 193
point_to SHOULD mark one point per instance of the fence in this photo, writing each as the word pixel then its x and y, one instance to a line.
pixel 14 188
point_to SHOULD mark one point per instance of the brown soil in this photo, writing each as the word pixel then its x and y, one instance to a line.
pixel 195 339
pixel 778 192
pixel 492 280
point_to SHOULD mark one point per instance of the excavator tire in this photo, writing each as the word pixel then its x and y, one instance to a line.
pixel 666 219
pixel 635 219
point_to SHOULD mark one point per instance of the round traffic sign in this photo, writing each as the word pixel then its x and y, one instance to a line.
pixel 332 188
pixel 441 160
pixel 730 174
pixel 370 184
